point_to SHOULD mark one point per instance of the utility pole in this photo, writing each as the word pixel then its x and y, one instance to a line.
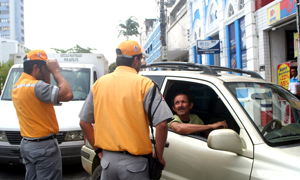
pixel 164 49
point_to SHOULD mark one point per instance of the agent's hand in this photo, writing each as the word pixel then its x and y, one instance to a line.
pixel 100 155
pixel 52 65
pixel 161 160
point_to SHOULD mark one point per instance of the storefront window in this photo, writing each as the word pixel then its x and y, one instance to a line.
pixel 243 42
pixel 238 55
pixel 232 46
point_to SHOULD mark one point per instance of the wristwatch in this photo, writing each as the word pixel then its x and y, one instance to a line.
pixel 98 151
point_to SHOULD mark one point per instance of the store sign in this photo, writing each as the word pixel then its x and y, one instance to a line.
pixel 287 7
pixel 208 46
pixel 283 71
pixel 281 10
pixel 274 13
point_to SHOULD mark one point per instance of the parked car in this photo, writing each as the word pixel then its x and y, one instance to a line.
pixel 262 140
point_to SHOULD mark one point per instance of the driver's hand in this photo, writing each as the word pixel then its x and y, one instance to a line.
pixel 220 125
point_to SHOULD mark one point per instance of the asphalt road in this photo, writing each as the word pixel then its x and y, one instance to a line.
pixel 17 172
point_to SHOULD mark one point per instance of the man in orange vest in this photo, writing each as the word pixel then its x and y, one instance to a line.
pixel 118 104
pixel 33 98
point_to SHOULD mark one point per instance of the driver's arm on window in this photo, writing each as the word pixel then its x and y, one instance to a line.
pixel 185 129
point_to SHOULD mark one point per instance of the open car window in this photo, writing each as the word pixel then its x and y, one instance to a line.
pixel 207 104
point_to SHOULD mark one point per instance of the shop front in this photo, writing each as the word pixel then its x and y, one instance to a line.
pixel 283 37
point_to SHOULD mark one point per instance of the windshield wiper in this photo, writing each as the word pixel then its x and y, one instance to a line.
pixel 287 135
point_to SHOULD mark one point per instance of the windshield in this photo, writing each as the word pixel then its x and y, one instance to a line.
pixel 78 78
pixel 273 110
pixel 11 81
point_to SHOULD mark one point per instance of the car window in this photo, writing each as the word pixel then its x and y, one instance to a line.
pixel 79 80
pixel 273 110
pixel 207 104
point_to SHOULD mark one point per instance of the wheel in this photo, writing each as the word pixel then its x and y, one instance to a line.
pixel 268 127
pixel 97 173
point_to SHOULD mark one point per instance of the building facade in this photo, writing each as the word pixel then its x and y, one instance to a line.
pixel 230 21
pixel 253 34
pixel 12 20
pixel 11 28
pixel 277 39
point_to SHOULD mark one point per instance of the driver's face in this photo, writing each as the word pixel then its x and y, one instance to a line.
pixel 182 105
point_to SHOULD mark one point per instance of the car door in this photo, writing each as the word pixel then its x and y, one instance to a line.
pixel 188 156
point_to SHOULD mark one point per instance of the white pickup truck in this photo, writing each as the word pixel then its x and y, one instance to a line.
pixel 81 70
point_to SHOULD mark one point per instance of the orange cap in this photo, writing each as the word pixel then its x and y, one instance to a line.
pixel 130 48
pixel 36 55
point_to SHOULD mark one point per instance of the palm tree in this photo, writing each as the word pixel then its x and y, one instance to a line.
pixel 129 28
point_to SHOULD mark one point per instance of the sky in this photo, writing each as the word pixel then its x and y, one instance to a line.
pixel 62 24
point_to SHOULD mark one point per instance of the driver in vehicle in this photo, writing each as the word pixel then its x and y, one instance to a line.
pixel 186 123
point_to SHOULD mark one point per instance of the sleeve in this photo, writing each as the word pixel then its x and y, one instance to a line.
pixel 194 119
pixel 47 93
pixel 176 119
pixel 159 105
pixel 87 111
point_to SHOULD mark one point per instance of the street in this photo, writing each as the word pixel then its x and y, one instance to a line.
pixel 17 172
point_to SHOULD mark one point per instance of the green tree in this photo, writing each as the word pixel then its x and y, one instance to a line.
pixel 112 67
pixel 4 69
pixel 129 28
pixel 75 49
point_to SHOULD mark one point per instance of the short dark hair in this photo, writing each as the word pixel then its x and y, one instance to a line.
pixel 122 61
pixel 190 97
pixel 28 65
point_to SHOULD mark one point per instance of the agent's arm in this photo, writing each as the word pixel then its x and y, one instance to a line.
pixel 65 92
pixel 161 134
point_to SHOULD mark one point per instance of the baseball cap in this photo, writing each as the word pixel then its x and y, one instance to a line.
pixel 36 55
pixel 128 49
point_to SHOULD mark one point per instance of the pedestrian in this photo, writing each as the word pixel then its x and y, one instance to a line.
pixel 294 85
pixel 294 88
pixel 118 105
pixel 33 97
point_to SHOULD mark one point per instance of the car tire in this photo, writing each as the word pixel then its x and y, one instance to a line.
pixel 97 173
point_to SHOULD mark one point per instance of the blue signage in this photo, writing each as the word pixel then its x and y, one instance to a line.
pixel 208 46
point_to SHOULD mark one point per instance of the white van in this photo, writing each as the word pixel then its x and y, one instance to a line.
pixel 81 70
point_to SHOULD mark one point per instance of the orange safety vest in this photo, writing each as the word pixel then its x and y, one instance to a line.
pixel 121 123
pixel 36 119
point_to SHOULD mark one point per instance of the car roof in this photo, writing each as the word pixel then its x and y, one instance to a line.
pixel 225 77
pixel 200 71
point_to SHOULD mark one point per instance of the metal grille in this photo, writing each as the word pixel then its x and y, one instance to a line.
pixel 14 137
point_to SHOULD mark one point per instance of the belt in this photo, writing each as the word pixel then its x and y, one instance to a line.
pixel 128 153
pixel 42 139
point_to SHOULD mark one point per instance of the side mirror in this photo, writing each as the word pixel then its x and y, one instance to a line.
pixel 225 140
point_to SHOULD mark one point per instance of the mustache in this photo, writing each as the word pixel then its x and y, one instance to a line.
pixel 180 108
